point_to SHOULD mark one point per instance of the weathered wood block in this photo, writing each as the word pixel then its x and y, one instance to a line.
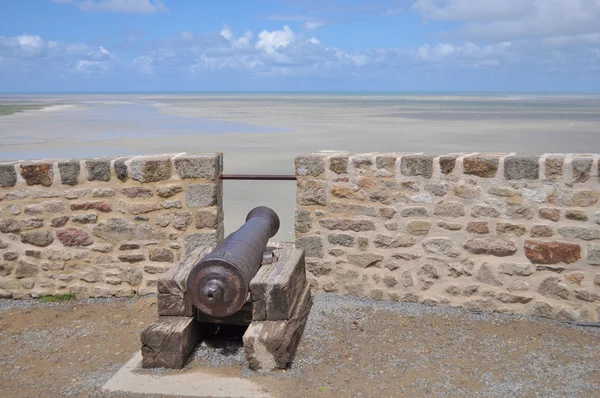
pixel 276 287
pixel 272 344
pixel 172 299
pixel 169 341
pixel 242 317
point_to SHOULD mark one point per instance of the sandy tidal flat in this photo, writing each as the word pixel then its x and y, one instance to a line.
pixel 262 133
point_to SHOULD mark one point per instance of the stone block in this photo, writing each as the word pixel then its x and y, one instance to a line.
pixel 171 204
pixel 312 245
pixel 207 219
pixel 444 246
pixel 353 209
pixel 137 192
pixel 481 166
pixel 101 206
pixel 97 169
pixel 151 169
pixel 58 222
pixel 303 221
pixel 438 188
pixel 198 166
pixel 582 169
pixel 169 190
pixel 539 252
pixel 552 287
pixel 573 232
pixel 418 227
pixel 574 198
pixel 33 210
pixel 521 168
pixel 311 165
pixel 393 242
pixel 201 195
pixel 347 224
pixel 5 268
pixel 85 218
pixel 74 237
pixel 38 238
pixel 193 241
pixel 143 208
pixel 271 345
pixel 520 211
pixel 593 256
pixel 478 227
pixel 55 207
pixel 449 209
pixel 8 175
pixel 69 172
pixel 131 257
pixel 540 231
pixel 16 194
pixel 387 163
pixel 467 191
pixel 506 192
pixel 121 170
pixel 37 173
pixel 450 226
pixel 311 192
pixel 338 164
pixel 554 167
pixel 520 269
pixel 32 223
pixel 365 260
pixel 482 211
pixel 348 192
pixel 25 269
pixel 549 214
pixel 491 246
pixel 577 215
pixel 161 255
pixel 362 162
pixel 341 239
pixel 417 165
pixel 8 226
pixel 510 229
pixel 447 163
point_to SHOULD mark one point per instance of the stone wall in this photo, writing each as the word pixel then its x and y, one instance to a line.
pixel 487 231
pixel 103 227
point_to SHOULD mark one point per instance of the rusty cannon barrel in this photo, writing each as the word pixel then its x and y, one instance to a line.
pixel 218 284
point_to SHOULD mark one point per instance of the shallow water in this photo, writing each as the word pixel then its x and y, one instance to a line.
pixel 262 133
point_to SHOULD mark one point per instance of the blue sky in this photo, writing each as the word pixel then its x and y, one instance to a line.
pixel 299 45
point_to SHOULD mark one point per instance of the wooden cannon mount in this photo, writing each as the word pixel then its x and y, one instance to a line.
pixel 276 312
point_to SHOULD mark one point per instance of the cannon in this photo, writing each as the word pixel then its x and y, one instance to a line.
pixel 245 283
pixel 218 285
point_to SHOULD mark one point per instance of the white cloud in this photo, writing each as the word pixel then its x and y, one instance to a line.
pixel 313 25
pixel 514 19
pixel 75 57
pixel 241 42
pixel 125 6
pixel 314 40
pixel 269 42
pixel 91 67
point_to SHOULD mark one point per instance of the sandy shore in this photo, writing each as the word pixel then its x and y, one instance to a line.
pixel 263 133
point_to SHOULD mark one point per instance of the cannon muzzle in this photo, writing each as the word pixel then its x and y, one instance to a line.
pixel 218 284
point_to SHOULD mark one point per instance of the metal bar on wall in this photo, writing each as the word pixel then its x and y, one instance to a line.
pixel 259 177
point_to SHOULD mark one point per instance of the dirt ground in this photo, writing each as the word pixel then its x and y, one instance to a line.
pixel 351 347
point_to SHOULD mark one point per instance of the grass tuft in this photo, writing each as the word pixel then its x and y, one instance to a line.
pixel 58 298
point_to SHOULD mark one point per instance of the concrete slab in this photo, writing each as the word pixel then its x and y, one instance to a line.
pixel 132 378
